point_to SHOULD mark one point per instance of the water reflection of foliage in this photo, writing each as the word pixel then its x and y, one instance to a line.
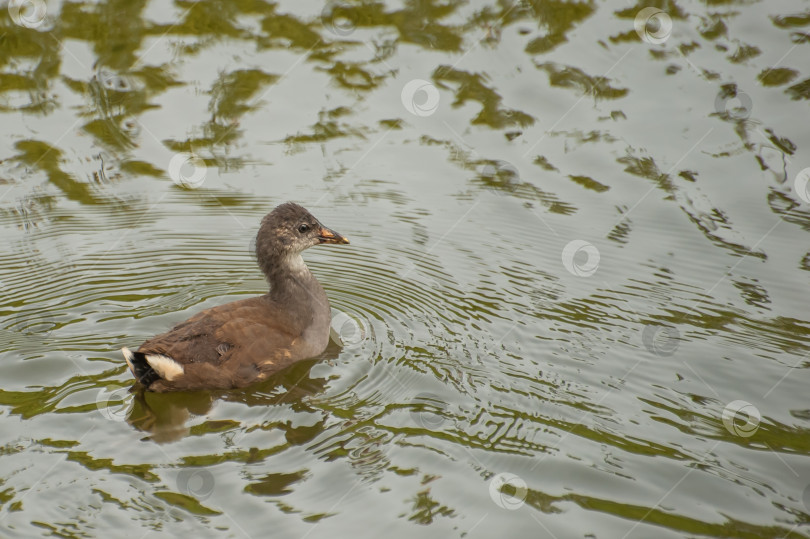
pixel 126 82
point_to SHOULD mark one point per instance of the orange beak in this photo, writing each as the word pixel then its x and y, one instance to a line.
pixel 330 236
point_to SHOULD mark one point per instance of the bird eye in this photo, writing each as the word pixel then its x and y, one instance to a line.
pixel 303 228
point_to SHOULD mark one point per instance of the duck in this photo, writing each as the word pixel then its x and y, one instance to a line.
pixel 244 342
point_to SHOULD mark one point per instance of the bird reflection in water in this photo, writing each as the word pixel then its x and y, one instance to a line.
pixel 166 417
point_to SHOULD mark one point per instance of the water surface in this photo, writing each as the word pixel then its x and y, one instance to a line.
pixel 574 304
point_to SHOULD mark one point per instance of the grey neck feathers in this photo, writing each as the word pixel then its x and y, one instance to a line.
pixel 297 290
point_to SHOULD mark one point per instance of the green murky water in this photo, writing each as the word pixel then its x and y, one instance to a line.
pixel 575 303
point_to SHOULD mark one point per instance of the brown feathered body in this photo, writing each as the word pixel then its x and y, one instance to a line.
pixel 244 342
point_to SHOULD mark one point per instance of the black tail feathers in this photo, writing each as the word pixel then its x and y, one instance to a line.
pixel 139 367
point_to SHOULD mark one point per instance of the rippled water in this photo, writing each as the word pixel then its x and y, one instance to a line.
pixel 574 304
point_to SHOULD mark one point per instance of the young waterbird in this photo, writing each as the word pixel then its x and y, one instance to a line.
pixel 243 342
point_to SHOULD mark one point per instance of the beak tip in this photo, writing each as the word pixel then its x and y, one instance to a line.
pixel 330 236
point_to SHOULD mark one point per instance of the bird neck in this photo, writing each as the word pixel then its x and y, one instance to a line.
pixel 293 285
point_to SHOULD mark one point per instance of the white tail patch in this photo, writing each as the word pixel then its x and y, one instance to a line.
pixel 129 356
pixel 166 367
